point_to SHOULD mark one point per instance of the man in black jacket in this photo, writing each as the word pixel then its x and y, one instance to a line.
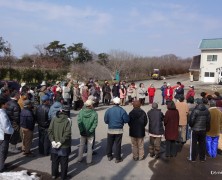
pixel 200 123
pixel 13 111
pixel 137 123
pixel 156 130
pixel 43 122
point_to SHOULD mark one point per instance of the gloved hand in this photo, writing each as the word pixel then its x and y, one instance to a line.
pixel 54 144
pixel 58 144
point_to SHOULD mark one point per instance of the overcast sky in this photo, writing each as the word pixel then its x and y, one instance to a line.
pixel 141 27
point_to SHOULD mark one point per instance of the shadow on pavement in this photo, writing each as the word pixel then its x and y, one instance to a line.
pixel 180 168
pixel 77 167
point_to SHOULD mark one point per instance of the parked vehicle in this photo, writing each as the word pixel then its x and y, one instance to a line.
pixel 156 74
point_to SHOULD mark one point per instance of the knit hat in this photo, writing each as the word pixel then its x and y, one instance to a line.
pixel 168 84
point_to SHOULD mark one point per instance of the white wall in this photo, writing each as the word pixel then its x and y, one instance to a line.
pixel 210 66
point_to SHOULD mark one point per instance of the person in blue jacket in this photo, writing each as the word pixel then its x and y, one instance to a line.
pixel 115 117
pixel 163 88
pixel 57 106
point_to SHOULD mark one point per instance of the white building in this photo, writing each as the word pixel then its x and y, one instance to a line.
pixel 207 67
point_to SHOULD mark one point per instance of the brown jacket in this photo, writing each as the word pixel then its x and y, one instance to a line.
pixel 183 109
pixel 215 122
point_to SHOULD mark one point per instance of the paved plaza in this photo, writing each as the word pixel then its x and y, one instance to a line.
pixel 102 169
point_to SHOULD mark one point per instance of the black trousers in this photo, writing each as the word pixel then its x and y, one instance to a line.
pixel 15 137
pixel 4 151
pixel 142 101
pixel 171 148
pixel 198 145
pixel 103 98
pixel 44 142
pixel 107 101
pixel 76 105
pixel 117 140
pixel 63 161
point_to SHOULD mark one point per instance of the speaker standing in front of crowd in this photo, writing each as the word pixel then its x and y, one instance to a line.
pixel 6 130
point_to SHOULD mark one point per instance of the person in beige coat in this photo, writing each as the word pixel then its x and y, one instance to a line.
pixel 183 110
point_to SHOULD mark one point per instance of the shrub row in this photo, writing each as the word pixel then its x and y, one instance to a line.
pixel 32 75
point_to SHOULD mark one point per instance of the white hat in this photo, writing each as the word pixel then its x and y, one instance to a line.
pixel 43 83
pixel 57 82
pixel 23 84
pixel 116 100
pixel 89 102
pixel 168 84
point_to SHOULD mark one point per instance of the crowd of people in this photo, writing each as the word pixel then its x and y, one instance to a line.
pixel 187 117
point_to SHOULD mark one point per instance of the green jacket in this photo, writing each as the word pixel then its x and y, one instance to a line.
pixel 87 122
pixel 60 130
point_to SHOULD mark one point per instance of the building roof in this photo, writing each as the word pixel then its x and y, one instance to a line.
pixel 211 44
pixel 195 63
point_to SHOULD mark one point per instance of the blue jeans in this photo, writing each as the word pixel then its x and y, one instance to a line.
pixel 211 145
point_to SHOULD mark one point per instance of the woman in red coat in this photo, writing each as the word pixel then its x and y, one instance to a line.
pixel 171 123
pixel 151 92
pixel 168 93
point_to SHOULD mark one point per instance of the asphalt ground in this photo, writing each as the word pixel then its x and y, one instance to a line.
pixel 102 169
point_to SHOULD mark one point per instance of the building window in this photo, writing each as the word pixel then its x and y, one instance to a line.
pixel 211 57
pixel 209 74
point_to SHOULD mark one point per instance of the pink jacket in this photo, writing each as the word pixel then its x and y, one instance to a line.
pixel 122 93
